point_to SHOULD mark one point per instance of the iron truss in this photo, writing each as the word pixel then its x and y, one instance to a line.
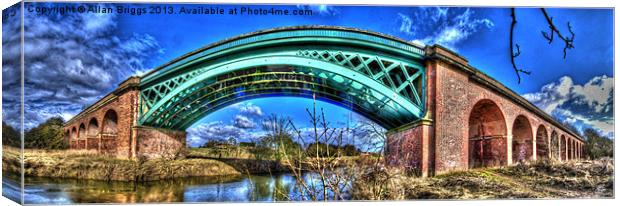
pixel 378 78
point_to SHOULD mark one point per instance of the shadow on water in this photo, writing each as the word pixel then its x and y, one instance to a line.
pixel 276 187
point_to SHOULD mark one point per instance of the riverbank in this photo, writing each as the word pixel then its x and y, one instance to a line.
pixel 81 164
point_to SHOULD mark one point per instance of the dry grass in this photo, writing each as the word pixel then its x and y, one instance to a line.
pixel 81 164
pixel 541 179
pixel 236 152
pixel 165 169
pixel 11 159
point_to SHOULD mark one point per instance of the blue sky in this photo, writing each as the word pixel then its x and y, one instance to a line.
pixel 112 47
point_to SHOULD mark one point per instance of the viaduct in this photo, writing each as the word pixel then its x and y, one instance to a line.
pixel 441 113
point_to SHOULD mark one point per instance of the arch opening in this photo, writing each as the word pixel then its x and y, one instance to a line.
pixel 521 139
pixel 93 127
pixel 542 141
pixel 82 131
pixel 110 121
pixel 487 135
pixel 555 146
pixel 563 149
pixel 73 134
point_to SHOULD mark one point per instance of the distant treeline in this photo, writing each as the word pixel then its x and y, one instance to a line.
pixel 322 149
pixel 328 150
pixel 597 146
pixel 48 135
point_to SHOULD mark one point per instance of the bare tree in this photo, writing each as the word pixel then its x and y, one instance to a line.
pixel 321 172
pixel 568 41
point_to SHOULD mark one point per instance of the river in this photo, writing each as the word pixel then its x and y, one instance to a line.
pixel 261 188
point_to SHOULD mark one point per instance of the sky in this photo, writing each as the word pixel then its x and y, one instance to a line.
pixel 72 60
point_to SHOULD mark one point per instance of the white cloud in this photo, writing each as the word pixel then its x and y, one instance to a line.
pixel 440 14
pixel 552 95
pixel 71 61
pixel 597 93
pixel 444 26
pixel 243 122
pixel 249 109
pixel 94 23
pixel 587 106
pixel 218 130
pixel 67 116
pixel 242 126
pixel 321 9
pixel 406 24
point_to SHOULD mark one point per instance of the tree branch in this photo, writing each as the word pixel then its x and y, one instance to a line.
pixel 568 42
pixel 514 54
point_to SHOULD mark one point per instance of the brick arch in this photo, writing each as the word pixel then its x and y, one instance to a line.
pixel 522 138
pixel 93 127
pixel 487 135
pixel 542 142
pixel 110 122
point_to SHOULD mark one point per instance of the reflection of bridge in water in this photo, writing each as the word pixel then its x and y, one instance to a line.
pixel 441 113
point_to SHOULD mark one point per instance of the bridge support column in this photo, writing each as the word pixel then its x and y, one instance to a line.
pixel 151 142
pixel 411 147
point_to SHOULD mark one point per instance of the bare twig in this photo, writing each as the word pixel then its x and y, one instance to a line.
pixel 514 54
pixel 568 42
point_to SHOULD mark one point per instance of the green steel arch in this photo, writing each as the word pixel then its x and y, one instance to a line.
pixel 378 76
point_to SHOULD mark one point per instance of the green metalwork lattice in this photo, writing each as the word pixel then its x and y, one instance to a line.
pixel 378 77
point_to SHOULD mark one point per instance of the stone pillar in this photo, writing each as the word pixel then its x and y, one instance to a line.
pixel 573 149
pixel 411 147
pixel 509 142
pixel 580 151
pixel 577 150
pixel 559 148
pixel 565 148
pixel 99 139
pixel 534 146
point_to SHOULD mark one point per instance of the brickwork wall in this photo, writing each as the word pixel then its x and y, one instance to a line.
pixel 409 148
pixel 81 144
pixel 125 105
pixel 93 143
pixel 157 142
pixel 456 94
pixel 405 148
pixel 108 145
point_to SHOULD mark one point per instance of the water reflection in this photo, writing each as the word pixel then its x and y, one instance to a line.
pixel 277 187
pixel 11 187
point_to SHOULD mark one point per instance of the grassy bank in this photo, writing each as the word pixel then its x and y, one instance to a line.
pixel 542 179
pixel 226 152
pixel 81 164
pixel 89 165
